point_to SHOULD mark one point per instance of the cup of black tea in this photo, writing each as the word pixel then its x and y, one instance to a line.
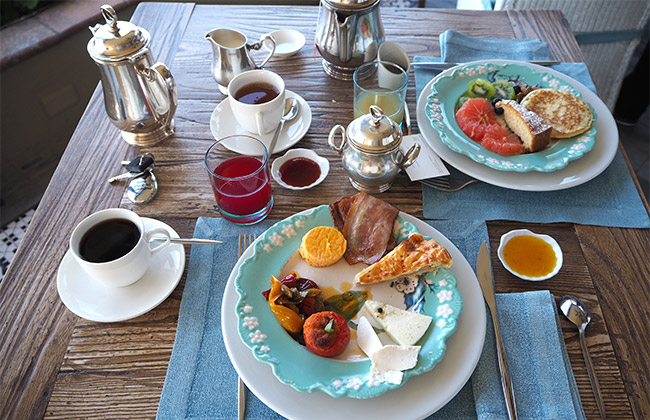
pixel 257 100
pixel 113 247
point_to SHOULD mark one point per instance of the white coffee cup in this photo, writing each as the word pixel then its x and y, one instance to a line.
pixel 392 53
pixel 128 268
pixel 257 118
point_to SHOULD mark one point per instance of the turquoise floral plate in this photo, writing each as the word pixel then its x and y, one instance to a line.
pixel 440 110
pixel 348 375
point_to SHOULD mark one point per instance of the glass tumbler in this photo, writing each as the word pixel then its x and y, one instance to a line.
pixel 383 84
pixel 241 181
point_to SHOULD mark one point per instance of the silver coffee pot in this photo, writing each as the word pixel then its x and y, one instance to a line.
pixel 139 96
pixel 370 151
pixel 348 35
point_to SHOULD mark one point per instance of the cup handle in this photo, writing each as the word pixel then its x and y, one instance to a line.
pixel 149 235
pixel 259 119
pixel 258 45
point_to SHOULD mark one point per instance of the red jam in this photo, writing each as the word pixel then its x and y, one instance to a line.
pixel 299 172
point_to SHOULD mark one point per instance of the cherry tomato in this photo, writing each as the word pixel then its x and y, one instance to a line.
pixel 326 333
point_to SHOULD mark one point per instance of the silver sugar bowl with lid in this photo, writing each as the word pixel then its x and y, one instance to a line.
pixel 139 96
pixel 370 151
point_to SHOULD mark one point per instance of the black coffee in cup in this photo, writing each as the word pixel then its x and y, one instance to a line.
pixel 256 93
pixel 109 240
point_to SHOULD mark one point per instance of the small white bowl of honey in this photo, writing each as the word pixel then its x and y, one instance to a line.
pixel 530 256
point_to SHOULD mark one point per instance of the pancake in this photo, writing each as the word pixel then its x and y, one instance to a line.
pixel 565 112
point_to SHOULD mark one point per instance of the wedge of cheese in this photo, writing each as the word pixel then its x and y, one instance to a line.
pixel 414 255
pixel 394 358
pixel 389 361
pixel 404 327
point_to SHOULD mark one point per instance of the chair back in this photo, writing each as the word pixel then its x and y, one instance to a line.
pixel 608 32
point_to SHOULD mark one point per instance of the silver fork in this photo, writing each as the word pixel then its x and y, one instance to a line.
pixel 446 183
pixel 244 242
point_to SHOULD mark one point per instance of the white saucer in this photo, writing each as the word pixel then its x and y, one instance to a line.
pixel 288 42
pixel 95 301
pixel 223 123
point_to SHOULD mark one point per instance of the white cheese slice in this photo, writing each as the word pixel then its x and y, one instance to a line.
pixel 404 327
pixel 367 337
pixel 392 377
pixel 391 357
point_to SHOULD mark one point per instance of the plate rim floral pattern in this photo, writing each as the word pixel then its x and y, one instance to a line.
pixel 438 112
pixel 259 330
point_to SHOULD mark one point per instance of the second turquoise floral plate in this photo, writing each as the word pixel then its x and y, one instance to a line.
pixel 348 375
pixel 440 110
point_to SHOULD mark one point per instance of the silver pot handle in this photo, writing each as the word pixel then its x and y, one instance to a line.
pixel 258 45
pixel 330 139
pixel 158 72
pixel 410 156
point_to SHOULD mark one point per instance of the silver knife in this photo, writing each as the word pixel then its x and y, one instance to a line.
pixel 484 274
pixel 407 121
pixel 445 66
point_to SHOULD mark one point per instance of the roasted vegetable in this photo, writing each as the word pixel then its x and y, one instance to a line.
pixel 289 319
pixel 326 333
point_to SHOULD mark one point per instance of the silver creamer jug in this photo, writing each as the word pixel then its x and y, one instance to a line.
pixel 370 151
pixel 348 34
pixel 139 96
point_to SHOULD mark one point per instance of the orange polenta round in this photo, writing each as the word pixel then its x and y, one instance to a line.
pixel 323 246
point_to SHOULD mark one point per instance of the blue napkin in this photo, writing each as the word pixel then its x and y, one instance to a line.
pixel 610 199
pixel 456 47
pixel 201 382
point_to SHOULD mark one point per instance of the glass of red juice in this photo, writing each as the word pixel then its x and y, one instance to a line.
pixel 238 167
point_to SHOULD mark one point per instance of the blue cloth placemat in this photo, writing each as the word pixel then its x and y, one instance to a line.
pixel 201 382
pixel 610 199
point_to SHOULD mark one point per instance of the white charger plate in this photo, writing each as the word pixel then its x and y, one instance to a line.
pixel 92 300
pixel 223 123
pixel 419 397
pixel 575 173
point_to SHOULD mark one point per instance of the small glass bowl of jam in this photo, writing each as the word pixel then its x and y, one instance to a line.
pixel 530 256
pixel 300 169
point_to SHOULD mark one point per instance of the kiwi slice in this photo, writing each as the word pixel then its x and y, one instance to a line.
pixel 480 88
pixel 461 101
pixel 503 90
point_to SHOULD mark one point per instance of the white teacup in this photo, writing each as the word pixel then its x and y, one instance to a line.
pixel 391 52
pixel 262 117
pixel 117 260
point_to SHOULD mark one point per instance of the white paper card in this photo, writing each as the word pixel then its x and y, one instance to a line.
pixel 428 164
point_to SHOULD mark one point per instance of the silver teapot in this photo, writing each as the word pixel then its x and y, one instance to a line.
pixel 348 34
pixel 370 151
pixel 139 96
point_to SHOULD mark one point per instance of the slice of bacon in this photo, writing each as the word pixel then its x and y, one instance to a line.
pixel 367 226
pixel 340 210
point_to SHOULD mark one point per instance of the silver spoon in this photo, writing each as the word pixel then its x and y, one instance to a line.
pixel 188 241
pixel 291 108
pixel 577 313
pixel 143 188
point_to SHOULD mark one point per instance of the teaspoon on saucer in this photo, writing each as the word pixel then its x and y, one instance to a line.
pixel 291 108
pixel 191 241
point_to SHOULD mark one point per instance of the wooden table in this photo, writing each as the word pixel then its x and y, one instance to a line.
pixel 54 364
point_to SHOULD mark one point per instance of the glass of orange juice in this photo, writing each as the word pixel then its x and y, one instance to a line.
pixel 383 84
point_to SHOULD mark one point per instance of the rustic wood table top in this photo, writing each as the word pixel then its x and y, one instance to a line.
pixel 54 364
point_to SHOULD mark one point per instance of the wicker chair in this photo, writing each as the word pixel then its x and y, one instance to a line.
pixel 608 32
